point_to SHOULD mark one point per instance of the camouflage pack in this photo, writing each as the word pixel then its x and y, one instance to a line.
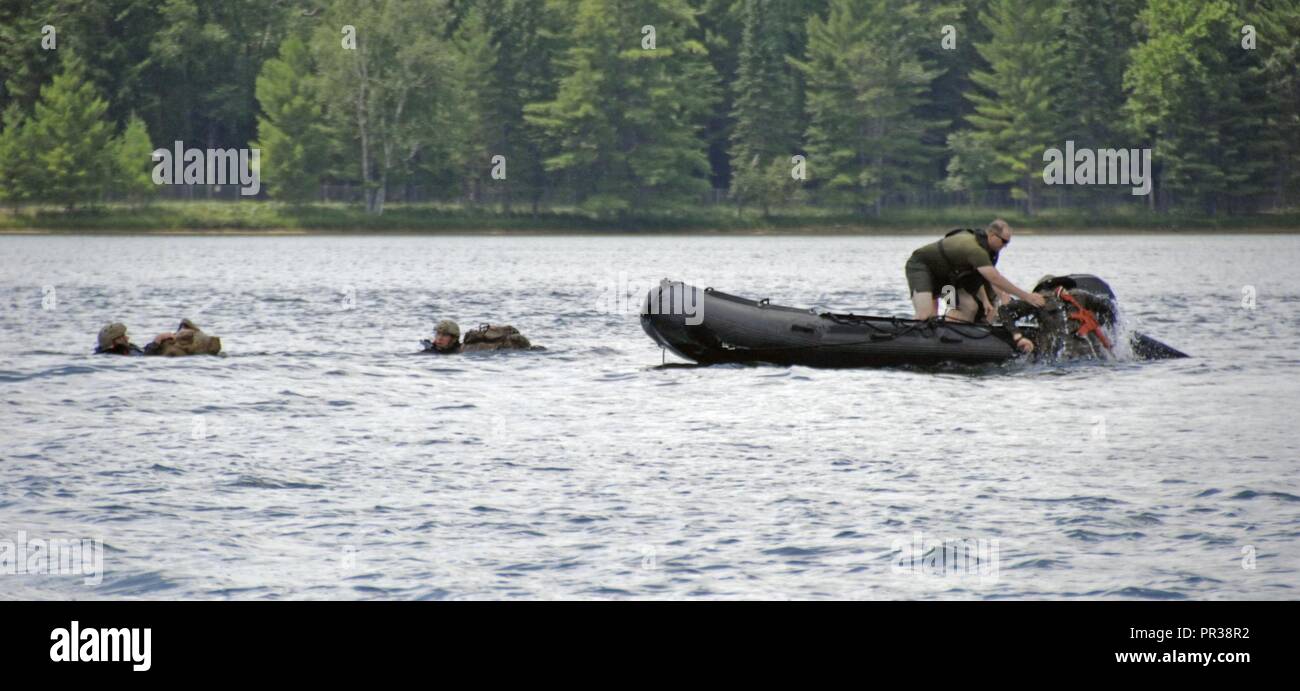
pixel 191 342
pixel 495 337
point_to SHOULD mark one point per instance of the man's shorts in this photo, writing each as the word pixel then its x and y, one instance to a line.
pixel 919 278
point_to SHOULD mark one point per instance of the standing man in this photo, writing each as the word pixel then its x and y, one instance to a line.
pixel 965 259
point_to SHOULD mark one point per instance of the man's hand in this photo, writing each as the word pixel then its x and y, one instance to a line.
pixel 1025 345
pixel 1000 282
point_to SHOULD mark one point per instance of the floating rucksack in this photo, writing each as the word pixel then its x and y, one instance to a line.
pixel 191 342
pixel 495 337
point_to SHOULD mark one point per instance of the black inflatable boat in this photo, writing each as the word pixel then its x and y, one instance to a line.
pixel 711 327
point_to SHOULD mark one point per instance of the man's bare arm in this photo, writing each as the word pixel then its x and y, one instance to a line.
pixel 1000 282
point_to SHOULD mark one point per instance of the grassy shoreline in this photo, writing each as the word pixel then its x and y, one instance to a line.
pixel 270 218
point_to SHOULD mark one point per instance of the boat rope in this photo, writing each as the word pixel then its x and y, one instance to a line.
pixel 914 325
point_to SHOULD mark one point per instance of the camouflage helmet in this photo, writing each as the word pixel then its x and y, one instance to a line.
pixel 111 333
pixel 448 327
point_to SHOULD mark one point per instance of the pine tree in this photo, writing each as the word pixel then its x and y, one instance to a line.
pixel 505 50
pixel 291 134
pixel 70 139
pixel 526 74
pixel 867 86
pixel 948 103
pixel 481 113
pixel 722 26
pixel 24 64
pixel 1201 98
pixel 16 161
pixel 133 161
pixel 1017 114
pixel 1279 43
pixel 209 55
pixel 1097 40
pixel 626 118
pixel 765 182
pixel 766 111
pixel 1253 142
pixel 766 104
pixel 972 165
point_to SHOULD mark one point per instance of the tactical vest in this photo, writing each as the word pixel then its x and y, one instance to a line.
pixel 968 279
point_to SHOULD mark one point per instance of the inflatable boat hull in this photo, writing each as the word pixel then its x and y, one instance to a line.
pixel 710 327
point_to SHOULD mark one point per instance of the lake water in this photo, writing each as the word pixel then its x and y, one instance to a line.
pixel 322 458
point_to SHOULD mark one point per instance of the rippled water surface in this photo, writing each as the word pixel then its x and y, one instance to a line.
pixel 321 458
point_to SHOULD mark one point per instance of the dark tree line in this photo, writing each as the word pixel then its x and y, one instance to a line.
pixel 626 105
